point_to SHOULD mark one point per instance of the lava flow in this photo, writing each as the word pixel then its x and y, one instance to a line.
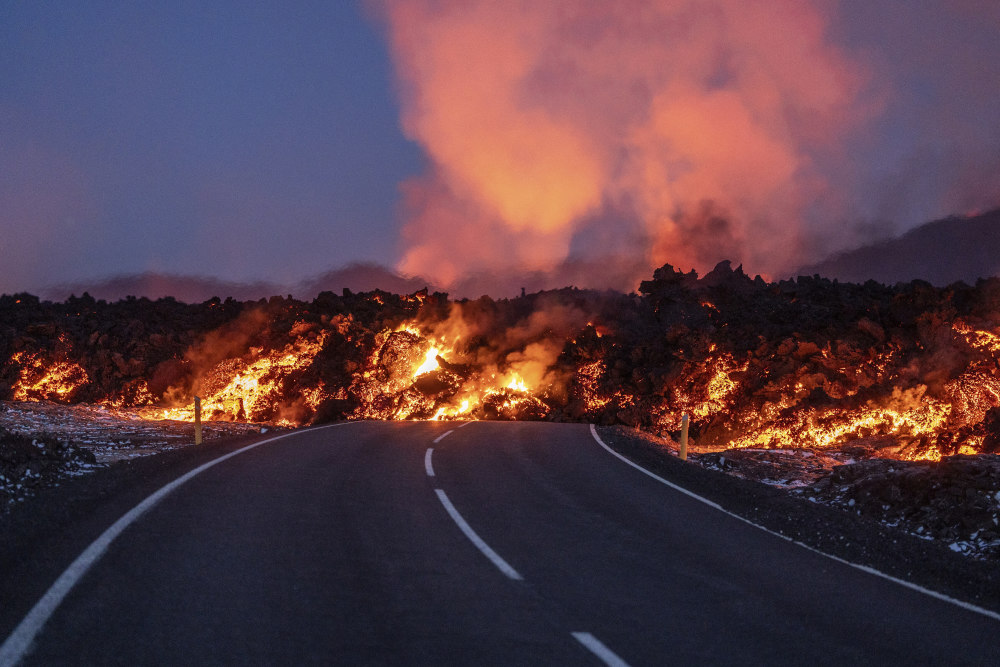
pixel 46 380
pixel 257 387
pixel 909 371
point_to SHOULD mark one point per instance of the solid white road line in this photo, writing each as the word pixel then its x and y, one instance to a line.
pixel 427 462
pixel 16 646
pixel 597 647
pixel 494 557
pixel 443 436
pixel 593 432
pixel 864 568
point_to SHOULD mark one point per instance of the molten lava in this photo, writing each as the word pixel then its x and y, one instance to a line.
pixel 430 363
pixel 908 372
pixel 256 388
pixel 42 379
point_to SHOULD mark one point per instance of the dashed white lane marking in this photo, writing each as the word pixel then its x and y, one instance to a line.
pixel 494 557
pixel 864 568
pixel 597 647
pixel 427 462
pixel 16 646
pixel 443 436
pixel 465 424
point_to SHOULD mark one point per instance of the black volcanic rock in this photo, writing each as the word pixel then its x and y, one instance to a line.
pixel 956 499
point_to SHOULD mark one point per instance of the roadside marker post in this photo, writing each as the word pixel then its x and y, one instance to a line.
pixel 684 437
pixel 197 420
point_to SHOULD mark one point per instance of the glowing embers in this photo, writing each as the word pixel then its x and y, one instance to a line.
pixel 404 378
pixel 587 381
pixel 817 400
pixel 706 388
pixel 512 401
pixel 261 386
pixel 720 386
pixel 410 375
pixel 980 339
pixel 47 379
pixel 904 425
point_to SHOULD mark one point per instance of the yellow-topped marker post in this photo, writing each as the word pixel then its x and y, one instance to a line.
pixel 684 437
pixel 197 420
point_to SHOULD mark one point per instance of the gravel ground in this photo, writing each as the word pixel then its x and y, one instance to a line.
pixel 28 463
pixel 44 444
pixel 111 434
pixel 836 531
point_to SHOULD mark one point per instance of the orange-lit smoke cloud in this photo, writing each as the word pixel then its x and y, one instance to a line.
pixel 694 126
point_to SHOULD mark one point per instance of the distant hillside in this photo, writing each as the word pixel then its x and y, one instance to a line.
pixel 358 277
pixel 610 272
pixel 187 289
pixel 941 252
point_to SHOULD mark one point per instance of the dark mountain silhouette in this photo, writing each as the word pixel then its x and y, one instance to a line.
pixel 360 277
pixel 615 272
pixel 941 252
pixel 620 273
pixel 357 277
pixel 188 289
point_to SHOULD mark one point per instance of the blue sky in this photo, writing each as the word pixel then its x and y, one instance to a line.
pixel 243 139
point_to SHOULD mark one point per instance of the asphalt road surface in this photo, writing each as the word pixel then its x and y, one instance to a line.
pixel 484 543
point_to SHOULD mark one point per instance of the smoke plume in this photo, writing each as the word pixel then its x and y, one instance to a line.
pixel 678 130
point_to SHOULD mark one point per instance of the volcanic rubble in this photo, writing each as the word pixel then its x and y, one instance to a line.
pixel 27 462
pixel 955 500
pixel 883 400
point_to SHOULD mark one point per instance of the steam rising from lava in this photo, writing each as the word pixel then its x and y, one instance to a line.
pixel 690 129
pixel 472 362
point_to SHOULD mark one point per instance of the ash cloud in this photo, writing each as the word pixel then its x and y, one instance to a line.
pixel 773 134
pixel 706 122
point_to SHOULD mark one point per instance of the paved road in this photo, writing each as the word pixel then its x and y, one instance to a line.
pixel 510 544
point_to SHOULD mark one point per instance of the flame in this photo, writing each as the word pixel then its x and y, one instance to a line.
pixel 430 362
pixel 417 374
pixel 252 389
pixel 517 384
pixel 463 408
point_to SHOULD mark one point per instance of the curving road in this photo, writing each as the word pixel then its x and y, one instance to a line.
pixel 429 543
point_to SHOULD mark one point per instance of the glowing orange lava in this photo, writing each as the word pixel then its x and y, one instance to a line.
pixel 41 379
pixel 252 389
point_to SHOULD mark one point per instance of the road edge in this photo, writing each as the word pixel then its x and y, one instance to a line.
pixel 17 645
pixel 968 606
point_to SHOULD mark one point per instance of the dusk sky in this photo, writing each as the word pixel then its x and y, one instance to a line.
pixel 275 141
